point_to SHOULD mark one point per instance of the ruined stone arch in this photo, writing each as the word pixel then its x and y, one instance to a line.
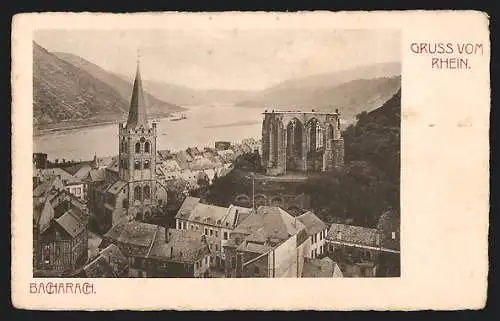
pixel 330 132
pixel 276 201
pixel 315 134
pixel 242 200
pixel 261 199
pixel 294 144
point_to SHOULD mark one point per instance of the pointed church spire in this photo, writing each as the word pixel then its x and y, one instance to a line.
pixel 137 114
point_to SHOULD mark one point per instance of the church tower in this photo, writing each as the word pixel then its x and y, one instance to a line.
pixel 137 154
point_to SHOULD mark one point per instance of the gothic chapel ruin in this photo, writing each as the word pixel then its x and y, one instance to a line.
pixel 295 141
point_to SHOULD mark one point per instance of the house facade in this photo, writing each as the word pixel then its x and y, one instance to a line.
pixel 216 223
pixel 153 251
pixel 367 252
pixel 317 231
pixel 267 243
pixel 60 231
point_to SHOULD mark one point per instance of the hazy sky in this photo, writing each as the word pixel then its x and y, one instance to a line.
pixel 226 59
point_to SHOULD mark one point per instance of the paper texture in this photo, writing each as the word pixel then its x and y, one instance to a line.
pixel 444 146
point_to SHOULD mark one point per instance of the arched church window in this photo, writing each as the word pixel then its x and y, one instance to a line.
pixel 147 192
pixel 146 164
pixel 137 193
pixel 319 137
pixel 330 131
pixel 146 147
pixel 137 147
pixel 137 164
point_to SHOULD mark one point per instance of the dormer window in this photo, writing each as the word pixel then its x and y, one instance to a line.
pixel 339 235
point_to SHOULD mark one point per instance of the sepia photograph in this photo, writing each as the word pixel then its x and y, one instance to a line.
pixel 250 161
pixel 216 154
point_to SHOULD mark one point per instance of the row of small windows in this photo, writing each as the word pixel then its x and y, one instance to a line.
pixel 321 236
pixel 137 147
pixel 141 193
pixel 146 164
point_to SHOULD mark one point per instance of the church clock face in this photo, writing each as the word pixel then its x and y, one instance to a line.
pixel 143 139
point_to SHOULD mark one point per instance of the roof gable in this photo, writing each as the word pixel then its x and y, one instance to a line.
pixel 71 223
pixel 354 234
pixel 312 223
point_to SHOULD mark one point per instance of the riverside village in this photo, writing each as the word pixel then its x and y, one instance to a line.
pixel 307 198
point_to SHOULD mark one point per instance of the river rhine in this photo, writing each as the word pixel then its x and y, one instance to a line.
pixel 204 125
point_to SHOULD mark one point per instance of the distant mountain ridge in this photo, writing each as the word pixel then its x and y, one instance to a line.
pixel 315 91
pixel 156 107
pixel 66 96
pixel 186 96
pixel 70 90
pixel 351 91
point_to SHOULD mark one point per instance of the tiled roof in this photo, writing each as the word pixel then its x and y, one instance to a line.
pixel 74 168
pixel 318 268
pixel 43 213
pixel 182 245
pixel 97 175
pixel 192 210
pixel 71 223
pixel 106 161
pixel 272 221
pixel 254 247
pixel 65 176
pixel 208 214
pixel 353 234
pixel 187 207
pixel 45 187
pixel 114 258
pixel 83 171
pixel 165 154
pixel 138 233
pixel 134 238
pixel 312 223
pixel 117 187
pixel 235 215
pixel 99 268
pixel 113 166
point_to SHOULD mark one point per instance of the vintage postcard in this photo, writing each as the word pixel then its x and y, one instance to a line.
pixel 284 161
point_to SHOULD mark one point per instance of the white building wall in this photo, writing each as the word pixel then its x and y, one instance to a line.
pixel 285 258
pixel 317 248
